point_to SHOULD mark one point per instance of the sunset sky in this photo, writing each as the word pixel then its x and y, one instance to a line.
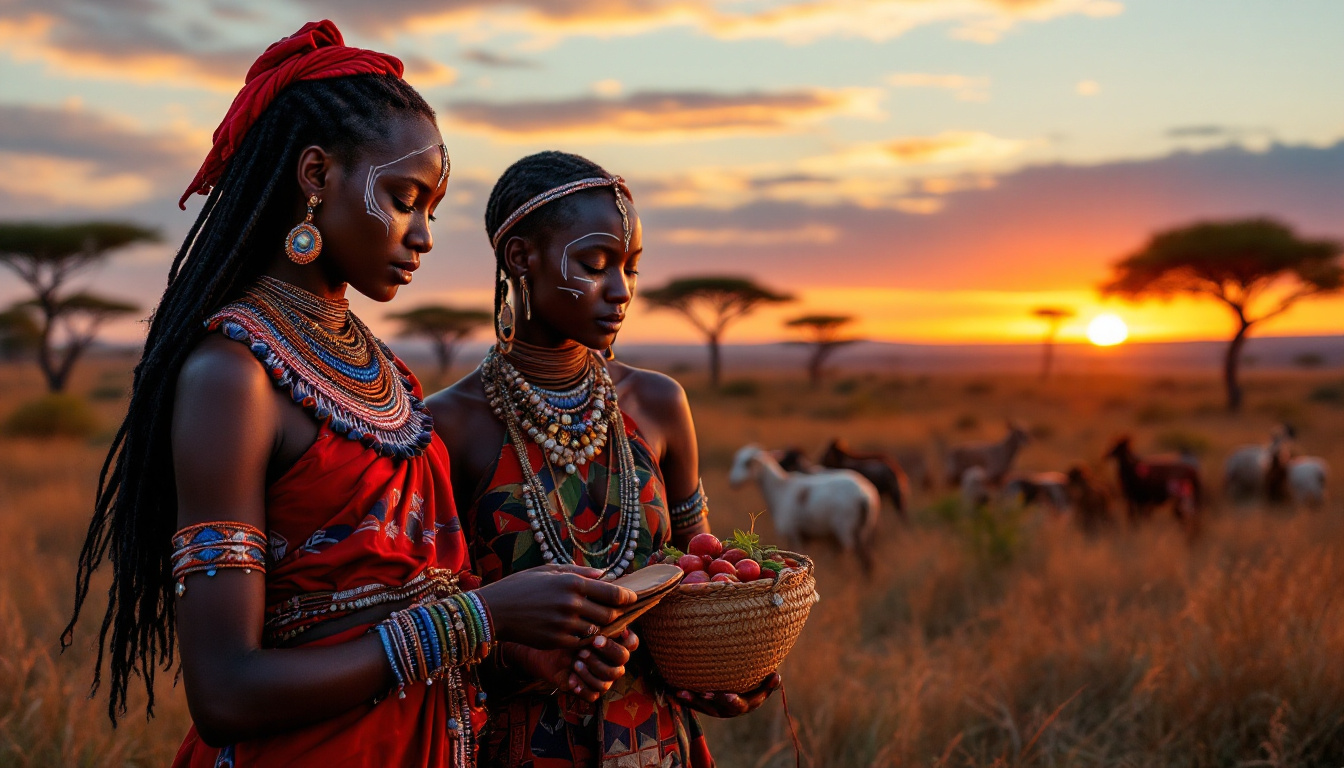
pixel 935 167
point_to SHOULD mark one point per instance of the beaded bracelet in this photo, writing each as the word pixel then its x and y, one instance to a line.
pixel 211 546
pixel 429 641
pixel 692 511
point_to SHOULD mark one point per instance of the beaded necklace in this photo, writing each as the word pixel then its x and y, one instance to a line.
pixel 331 364
pixel 510 394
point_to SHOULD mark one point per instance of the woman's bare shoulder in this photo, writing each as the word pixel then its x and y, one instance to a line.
pixel 654 391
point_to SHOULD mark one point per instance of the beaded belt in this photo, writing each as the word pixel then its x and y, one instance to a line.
pixel 289 619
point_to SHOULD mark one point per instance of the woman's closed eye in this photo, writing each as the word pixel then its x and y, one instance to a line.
pixel 405 207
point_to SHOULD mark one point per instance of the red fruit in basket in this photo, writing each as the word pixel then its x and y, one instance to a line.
pixel 789 561
pixel 696 577
pixel 748 570
pixel 690 564
pixel 733 555
pixel 724 577
pixel 722 566
pixel 705 544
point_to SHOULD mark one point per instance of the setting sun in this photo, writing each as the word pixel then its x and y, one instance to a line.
pixel 1107 330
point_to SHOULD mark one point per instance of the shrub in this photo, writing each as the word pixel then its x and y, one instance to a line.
pixel 967 422
pixel 741 388
pixel 1309 360
pixel 1330 394
pixel 1155 413
pixel 53 415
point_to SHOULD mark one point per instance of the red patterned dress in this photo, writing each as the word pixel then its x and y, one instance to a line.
pixel 346 518
pixel 635 724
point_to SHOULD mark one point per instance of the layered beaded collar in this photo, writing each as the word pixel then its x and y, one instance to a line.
pixel 330 364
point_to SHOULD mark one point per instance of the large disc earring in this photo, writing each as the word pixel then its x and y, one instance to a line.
pixel 527 296
pixel 505 324
pixel 304 242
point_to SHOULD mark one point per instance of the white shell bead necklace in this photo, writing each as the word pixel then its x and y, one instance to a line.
pixel 504 388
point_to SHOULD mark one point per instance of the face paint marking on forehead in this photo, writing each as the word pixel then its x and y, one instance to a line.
pixel 564 263
pixel 371 206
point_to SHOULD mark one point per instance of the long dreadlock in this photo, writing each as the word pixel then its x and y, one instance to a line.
pixel 242 221
pixel 523 181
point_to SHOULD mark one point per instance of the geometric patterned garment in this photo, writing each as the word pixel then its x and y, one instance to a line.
pixel 345 517
pixel 635 724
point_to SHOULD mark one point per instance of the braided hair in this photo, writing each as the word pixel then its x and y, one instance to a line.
pixel 523 181
pixel 228 246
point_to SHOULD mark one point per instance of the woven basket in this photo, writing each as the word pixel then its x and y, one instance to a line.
pixel 724 636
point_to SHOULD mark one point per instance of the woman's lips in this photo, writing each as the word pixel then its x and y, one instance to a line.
pixel 610 324
pixel 403 271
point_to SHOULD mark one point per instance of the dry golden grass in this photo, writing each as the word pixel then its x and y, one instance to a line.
pixel 1011 640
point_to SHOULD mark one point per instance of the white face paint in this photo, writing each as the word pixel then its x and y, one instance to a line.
pixel 371 206
pixel 564 263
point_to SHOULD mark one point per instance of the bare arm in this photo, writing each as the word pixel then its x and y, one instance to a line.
pixel 226 426
pixel 659 405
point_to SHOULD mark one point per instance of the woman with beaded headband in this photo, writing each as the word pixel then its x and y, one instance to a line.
pixel 317 579
pixel 563 457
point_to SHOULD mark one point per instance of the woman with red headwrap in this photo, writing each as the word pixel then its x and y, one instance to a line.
pixel 277 501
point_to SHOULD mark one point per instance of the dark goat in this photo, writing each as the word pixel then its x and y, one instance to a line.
pixel 1091 503
pixel 880 470
pixel 793 459
pixel 1150 483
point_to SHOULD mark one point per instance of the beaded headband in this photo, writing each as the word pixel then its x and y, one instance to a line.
pixel 616 183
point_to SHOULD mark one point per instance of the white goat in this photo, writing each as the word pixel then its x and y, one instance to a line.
pixel 836 503
pixel 1306 480
pixel 995 458
pixel 1245 472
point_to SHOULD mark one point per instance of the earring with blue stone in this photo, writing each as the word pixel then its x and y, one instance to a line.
pixel 304 242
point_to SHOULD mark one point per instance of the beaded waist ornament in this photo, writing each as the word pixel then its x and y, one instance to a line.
pixel 330 364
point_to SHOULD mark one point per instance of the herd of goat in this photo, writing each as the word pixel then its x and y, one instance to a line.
pixel 840 495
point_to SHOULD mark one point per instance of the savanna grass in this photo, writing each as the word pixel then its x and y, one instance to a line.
pixel 1013 640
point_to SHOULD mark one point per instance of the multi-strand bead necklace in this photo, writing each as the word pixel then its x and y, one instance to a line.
pixel 331 364
pixel 547 417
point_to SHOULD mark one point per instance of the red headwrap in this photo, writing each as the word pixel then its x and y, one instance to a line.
pixel 315 52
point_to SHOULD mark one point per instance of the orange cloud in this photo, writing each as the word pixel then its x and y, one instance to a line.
pixel 795 22
pixel 819 234
pixel 660 115
pixel 45 38
pixel 60 181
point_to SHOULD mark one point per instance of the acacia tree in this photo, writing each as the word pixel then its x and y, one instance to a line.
pixel 825 339
pixel 1053 317
pixel 711 303
pixel 443 327
pixel 45 257
pixel 1258 268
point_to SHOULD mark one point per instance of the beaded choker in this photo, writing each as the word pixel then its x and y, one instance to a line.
pixel 331 365
pixel 556 368
pixel 529 413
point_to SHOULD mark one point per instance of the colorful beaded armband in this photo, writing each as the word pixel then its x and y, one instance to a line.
pixel 211 546
pixel 692 511
pixel 430 641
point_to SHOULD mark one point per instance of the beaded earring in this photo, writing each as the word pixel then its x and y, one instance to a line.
pixel 527 296
pixel 304 242
pixel 505 325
